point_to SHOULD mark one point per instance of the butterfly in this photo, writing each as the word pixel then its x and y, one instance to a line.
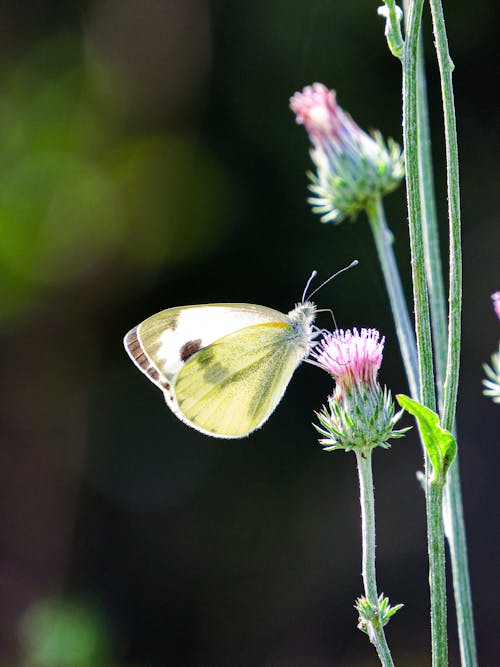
pixel 224 367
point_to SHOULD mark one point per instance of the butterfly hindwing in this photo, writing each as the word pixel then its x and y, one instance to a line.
pixel 230 388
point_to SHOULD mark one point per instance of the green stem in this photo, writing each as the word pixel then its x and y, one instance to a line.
pixel 457 541
pixel 453 506
pixel 367 501
pixel 437 574
pixel 435 534
pixel 453 499
pixel 410 136
pixel 452 503
pixel 432 254
pixel 404 330
pixel 453 187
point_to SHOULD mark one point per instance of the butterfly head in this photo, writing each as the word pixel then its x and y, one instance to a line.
pixel 301 320
pixel 304 312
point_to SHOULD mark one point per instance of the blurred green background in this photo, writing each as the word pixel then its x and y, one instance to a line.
pixel 149 159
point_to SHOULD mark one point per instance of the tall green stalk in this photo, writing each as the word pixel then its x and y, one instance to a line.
pixel 410 137
pixel 433 264
pixel 437 572
pixel 453 187
pixel 453 506
pixel 453 500
pixel 453 514
pixel 446 363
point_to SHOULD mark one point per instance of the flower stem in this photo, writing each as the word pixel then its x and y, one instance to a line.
pixel 453 506
pixel 435 532
pixel 404 330
pixel 410 136
pixel 453 187
pixel 453 500
pixel 367 501
pixel 433 264
pixel 437 574
pixel 457 541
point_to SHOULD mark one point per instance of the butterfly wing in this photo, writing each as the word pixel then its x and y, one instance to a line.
pixel 160 345
pixel 182 350
pixel 229 388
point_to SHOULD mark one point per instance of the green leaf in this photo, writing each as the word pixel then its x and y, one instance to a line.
pixel 439 443
pixel 391 611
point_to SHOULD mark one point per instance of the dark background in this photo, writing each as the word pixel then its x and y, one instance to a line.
pixel 149 159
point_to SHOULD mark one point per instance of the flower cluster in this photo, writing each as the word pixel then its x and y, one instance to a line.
pixel 353 169
pixel 492 381
pixel 360 414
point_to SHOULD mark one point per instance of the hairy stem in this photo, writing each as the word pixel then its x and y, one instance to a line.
pixel 453 500
pixel 453 506
pixel 453 187
pixel 437 574
pixel 404 329
pixel 410 136
pixel 367 502
pixel 433 264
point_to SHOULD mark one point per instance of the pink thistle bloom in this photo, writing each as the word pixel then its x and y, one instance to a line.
pixel 352 168
pixel 495 297
pixel 360 414
pixel 353 358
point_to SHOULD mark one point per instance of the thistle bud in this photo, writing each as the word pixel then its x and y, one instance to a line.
pixel 353 169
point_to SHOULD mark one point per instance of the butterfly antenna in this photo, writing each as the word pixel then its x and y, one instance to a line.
pixel 311 278
pixel 350 266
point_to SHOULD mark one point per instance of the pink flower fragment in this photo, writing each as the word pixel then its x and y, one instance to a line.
pixel 316 108
pixel 495 297
pixel 351 357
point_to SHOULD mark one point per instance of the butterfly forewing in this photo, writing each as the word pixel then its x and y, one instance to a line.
pixel 171 336
pixel 230 388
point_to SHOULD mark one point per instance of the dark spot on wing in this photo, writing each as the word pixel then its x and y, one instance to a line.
pixel 189 348
pixel 213 371
pixel 205 356
pixel 216 373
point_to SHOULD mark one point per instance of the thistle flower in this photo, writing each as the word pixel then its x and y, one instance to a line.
pixel 360 414
pixel 353 169
pixel 492 381
pixel 351 358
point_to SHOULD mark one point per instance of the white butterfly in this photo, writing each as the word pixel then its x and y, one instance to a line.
pixel 223 367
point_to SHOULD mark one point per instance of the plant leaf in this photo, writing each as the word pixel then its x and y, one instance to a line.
pixel 439 443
